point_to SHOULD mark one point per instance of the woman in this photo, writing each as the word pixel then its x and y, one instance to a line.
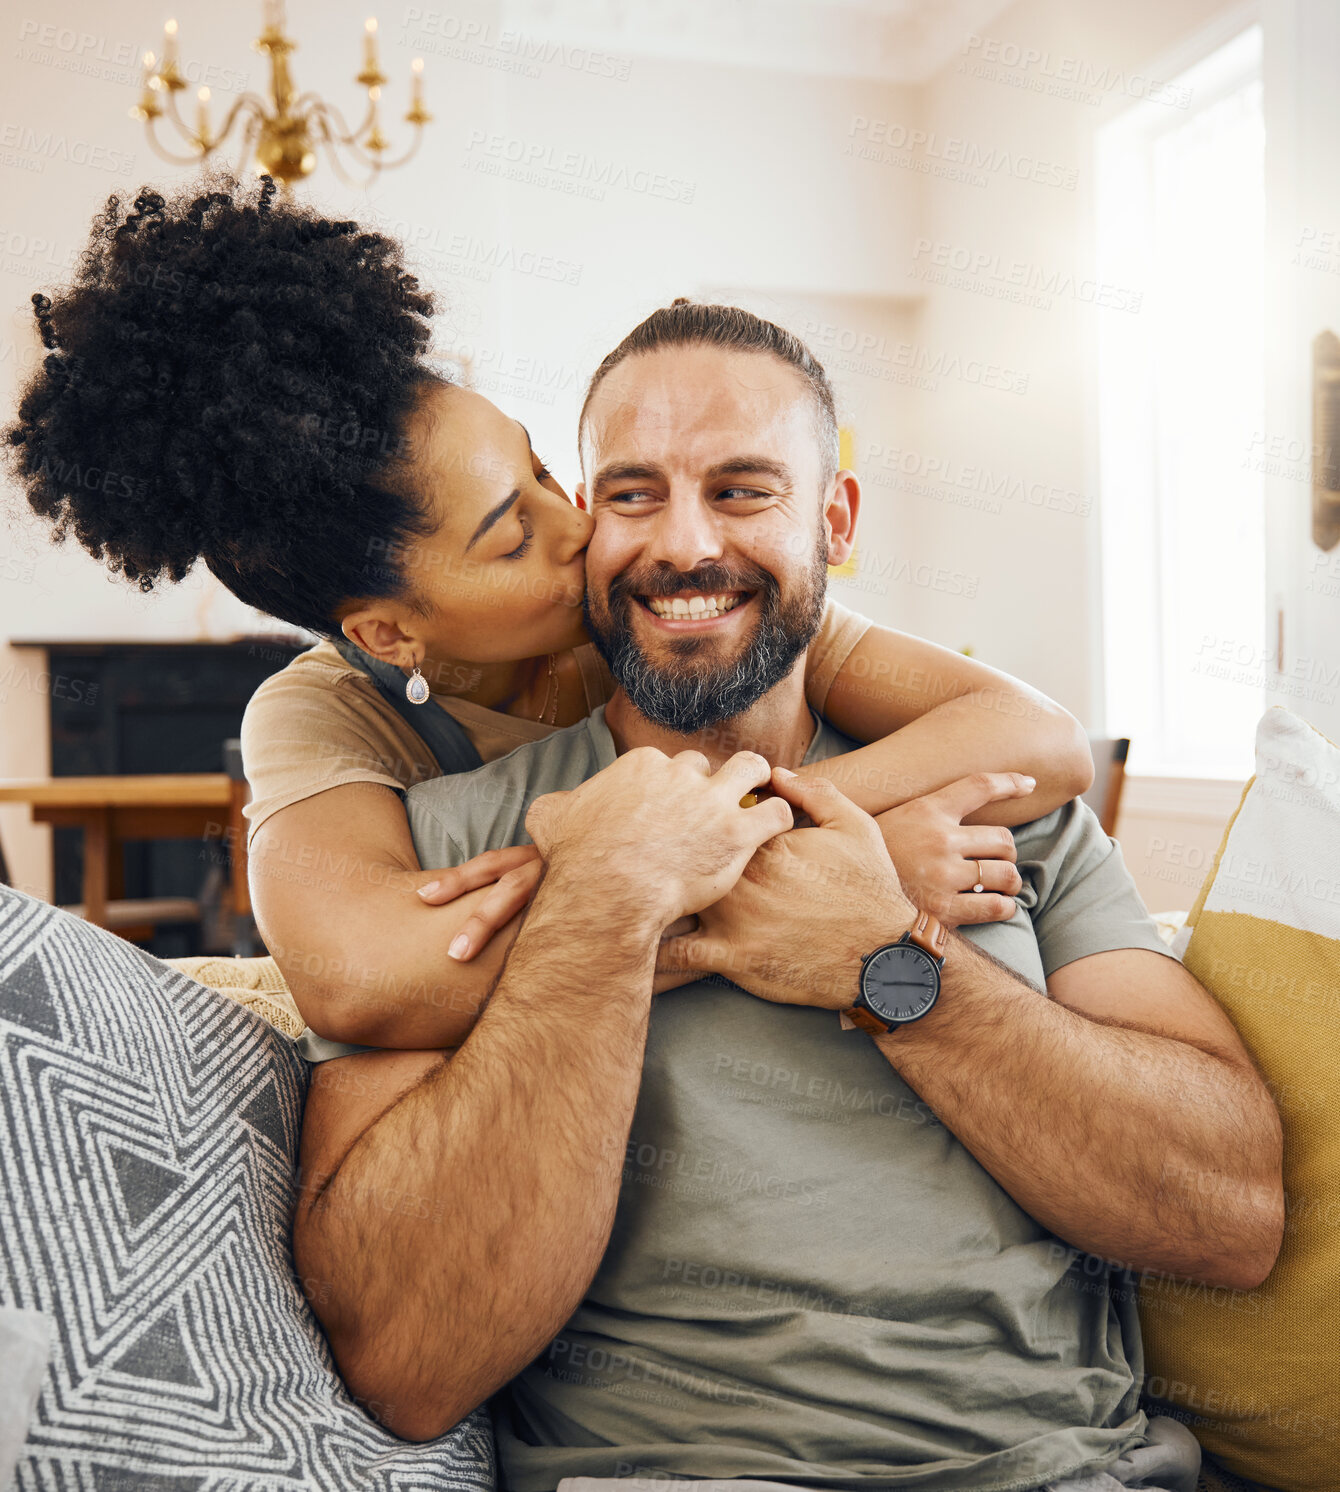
pixel 252 380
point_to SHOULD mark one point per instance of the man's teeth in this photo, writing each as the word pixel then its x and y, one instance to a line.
pixel 693 607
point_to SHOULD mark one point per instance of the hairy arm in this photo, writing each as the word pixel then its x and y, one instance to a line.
pixel 1123 1112
pixel 943 716
pixel 332 884
pixel 453 1213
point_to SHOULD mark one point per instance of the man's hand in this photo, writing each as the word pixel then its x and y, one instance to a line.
pixel 657 837
pixel 807 909
pixel 938 857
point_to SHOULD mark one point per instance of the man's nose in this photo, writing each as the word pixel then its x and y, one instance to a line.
pixel 686 534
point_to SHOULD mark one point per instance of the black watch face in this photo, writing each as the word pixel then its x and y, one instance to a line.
pixel 900 983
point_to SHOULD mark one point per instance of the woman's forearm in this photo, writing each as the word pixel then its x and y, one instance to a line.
pixel 380 975
pixel 332 884
pixel 933 716
pixel 963 736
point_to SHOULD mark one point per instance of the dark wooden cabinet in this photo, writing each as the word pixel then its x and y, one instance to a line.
pixel 123 708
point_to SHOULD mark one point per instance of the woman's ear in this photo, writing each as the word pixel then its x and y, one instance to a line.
pixel 840 509
pixel 380 633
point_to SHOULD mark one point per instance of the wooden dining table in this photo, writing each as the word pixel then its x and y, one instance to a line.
pixel 113 810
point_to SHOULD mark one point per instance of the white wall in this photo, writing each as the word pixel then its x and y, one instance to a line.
pixel 1026 307
pixel 1302 107
pixel 711 176
pixel 1036 85
pixel 825 201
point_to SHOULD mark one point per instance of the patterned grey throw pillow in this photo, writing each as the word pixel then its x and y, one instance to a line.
pixel 148 1137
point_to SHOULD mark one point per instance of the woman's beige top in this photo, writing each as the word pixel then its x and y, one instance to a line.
pixel 320 723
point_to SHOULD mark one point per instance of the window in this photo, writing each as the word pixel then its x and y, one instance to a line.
pixel 1181 217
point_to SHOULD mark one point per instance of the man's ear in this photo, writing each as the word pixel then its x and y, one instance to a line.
pixel 380 631
pixel 840 509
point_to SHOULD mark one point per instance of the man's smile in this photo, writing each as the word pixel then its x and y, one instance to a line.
pixel 694 611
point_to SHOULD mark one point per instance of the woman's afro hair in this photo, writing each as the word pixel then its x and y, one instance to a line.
pixel 229 378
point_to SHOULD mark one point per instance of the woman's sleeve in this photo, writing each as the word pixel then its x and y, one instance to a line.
pixel 839 633
pixel 302 737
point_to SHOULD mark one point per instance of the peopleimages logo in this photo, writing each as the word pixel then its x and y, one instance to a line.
pixel 891 465
pixel 1070 78
pixel 986 160
pixel 28 149
pixel 875 356
pixel 572 171
pixel 1015 280
pixel 469 39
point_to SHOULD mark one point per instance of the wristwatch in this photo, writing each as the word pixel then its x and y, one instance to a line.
pixel 900 981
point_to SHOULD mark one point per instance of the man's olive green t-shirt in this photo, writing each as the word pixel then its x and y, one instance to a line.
pixel 809 1278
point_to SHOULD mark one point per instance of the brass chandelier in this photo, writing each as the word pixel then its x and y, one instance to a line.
pixel 281 136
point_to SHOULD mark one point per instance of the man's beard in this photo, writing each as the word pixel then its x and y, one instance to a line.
pixel 692 692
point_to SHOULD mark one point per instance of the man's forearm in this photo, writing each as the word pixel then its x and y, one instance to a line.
pixel 518 1145
pixel 1072 1117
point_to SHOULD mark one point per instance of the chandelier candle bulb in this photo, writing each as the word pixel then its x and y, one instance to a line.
pixel 148 106
pixel 171 78
pixel 370 44
pixel 202 117
pixel 374 140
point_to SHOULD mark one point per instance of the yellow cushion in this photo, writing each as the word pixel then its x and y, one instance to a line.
pixel 253 982
pixel 1257 1374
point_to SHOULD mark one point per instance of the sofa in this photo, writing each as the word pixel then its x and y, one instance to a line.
pixel 153 1334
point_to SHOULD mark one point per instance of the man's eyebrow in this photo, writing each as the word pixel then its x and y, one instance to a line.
pixel 627 471
pixel 737 466
pixel 491 517
pixel 745 466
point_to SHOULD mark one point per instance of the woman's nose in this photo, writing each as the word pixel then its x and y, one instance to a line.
pixel 580 527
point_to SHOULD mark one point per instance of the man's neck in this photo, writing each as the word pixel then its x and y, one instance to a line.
pixel 778 726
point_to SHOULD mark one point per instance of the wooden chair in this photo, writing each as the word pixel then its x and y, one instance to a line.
pixel 131 919
pixel 246 936
pixel 1109 777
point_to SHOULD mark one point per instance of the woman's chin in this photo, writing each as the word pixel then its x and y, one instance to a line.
pixel 574 632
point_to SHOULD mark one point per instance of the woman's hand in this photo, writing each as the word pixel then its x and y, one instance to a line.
pixel 937 857
pixel 513 873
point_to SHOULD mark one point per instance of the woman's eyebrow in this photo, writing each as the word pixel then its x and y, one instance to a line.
pixel 491 517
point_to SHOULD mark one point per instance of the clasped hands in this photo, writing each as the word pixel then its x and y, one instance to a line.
pixel 787 912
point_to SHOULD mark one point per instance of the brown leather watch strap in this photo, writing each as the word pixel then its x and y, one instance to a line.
pixel 864 1021
pixel 929 933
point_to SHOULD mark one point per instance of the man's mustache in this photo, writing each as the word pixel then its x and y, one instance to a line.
pixel 663 580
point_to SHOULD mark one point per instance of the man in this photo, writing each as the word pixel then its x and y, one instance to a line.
pixel 784 1251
